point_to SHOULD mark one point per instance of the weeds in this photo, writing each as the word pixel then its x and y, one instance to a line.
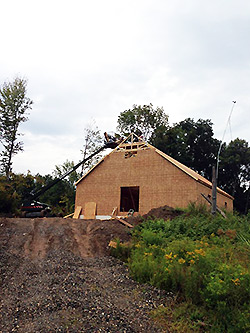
pixel 204 260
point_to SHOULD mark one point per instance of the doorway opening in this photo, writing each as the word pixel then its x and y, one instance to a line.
pixel 129 199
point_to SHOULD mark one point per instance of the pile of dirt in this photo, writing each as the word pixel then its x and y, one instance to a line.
pixel 55 275
pixel 164 212
pixel 32 238
pixel 36 238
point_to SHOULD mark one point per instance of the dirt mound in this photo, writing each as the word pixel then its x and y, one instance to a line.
pixel 37 238
pixel 164 212
pixel 55 276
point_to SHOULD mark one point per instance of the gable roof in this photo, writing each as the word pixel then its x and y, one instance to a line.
pixel 133 145
pixel 191 172
pixel 130 143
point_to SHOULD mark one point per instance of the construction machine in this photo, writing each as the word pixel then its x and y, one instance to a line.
pixel 33 208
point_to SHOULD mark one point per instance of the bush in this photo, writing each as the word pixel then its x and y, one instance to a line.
pixel 202 260
pixel 193 227
pixel 121 251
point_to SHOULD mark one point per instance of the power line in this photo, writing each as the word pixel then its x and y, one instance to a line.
pixel 221 143
pixel 215 171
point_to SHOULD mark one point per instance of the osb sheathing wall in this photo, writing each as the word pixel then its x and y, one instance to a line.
pixel 223 201
pixel 160 183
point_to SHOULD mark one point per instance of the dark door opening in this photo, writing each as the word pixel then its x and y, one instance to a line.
pixel 129 199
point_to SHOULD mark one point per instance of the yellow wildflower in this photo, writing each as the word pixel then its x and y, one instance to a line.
pixel 236 282
pixel 212 235
pixel 147 254
pixel 192 261
pixel 168 256
pixel 181 261
pixel 200 251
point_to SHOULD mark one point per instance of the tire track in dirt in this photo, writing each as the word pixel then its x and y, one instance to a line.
pixel 36 245
pixel 37 238
pixel 82 239
pixel 86 238
pixel 56 276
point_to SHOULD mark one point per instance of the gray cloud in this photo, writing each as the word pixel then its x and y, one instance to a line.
pixel 88 60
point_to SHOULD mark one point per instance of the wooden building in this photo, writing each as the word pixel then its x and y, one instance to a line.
pixel 137 176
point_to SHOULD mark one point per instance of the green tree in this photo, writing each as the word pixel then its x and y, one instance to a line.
pixel 17 189
pixel 67 166
pixel 191 143
pixel 63 193
pixel 59 197
pixel 234 172
pixel 142 120
pixel 14 105
pixel 14 190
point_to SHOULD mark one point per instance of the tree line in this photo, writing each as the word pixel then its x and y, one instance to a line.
pixel 190 142
pixel 193 144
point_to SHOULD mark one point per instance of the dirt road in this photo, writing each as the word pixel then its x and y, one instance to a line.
pixel 57 276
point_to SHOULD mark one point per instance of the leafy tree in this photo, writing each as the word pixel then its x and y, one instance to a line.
pixel 14 105
pixel 142 120
pixel 92 142
pixel 59 197
pixel 191 143
pixel 234 172
pixel 14 190
pixel 62 195
pixel 67 166
pixel 7 204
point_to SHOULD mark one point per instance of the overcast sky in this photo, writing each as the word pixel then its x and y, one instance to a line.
pixel 91 60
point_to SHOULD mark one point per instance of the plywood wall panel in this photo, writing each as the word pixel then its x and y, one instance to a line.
pixel 161 183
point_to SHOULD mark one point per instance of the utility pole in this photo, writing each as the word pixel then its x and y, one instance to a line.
pixel 214 191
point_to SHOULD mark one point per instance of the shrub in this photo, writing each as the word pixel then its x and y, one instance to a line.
pixel 228 285
pixel 202 259
pixel 197 208
pixel 121 250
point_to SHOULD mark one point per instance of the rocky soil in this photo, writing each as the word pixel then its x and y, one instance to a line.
pixel 56 275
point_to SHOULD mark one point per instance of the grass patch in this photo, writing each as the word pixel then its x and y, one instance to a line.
pixel 182 317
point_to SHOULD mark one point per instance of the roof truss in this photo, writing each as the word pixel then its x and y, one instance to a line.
pixel 132 143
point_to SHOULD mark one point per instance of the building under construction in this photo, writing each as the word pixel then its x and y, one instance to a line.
pixel 136 176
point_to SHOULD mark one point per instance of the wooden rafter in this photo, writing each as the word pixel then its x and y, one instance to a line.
pixel 132 143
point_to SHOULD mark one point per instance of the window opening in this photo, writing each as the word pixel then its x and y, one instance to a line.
pixel 129 199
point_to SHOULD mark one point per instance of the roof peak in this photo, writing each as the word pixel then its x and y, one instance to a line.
pixel 132 142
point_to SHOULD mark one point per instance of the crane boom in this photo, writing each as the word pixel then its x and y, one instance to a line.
pixel 57 180
pixel 33 208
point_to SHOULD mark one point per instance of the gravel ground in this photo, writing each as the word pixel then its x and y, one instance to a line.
pixel 61 288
